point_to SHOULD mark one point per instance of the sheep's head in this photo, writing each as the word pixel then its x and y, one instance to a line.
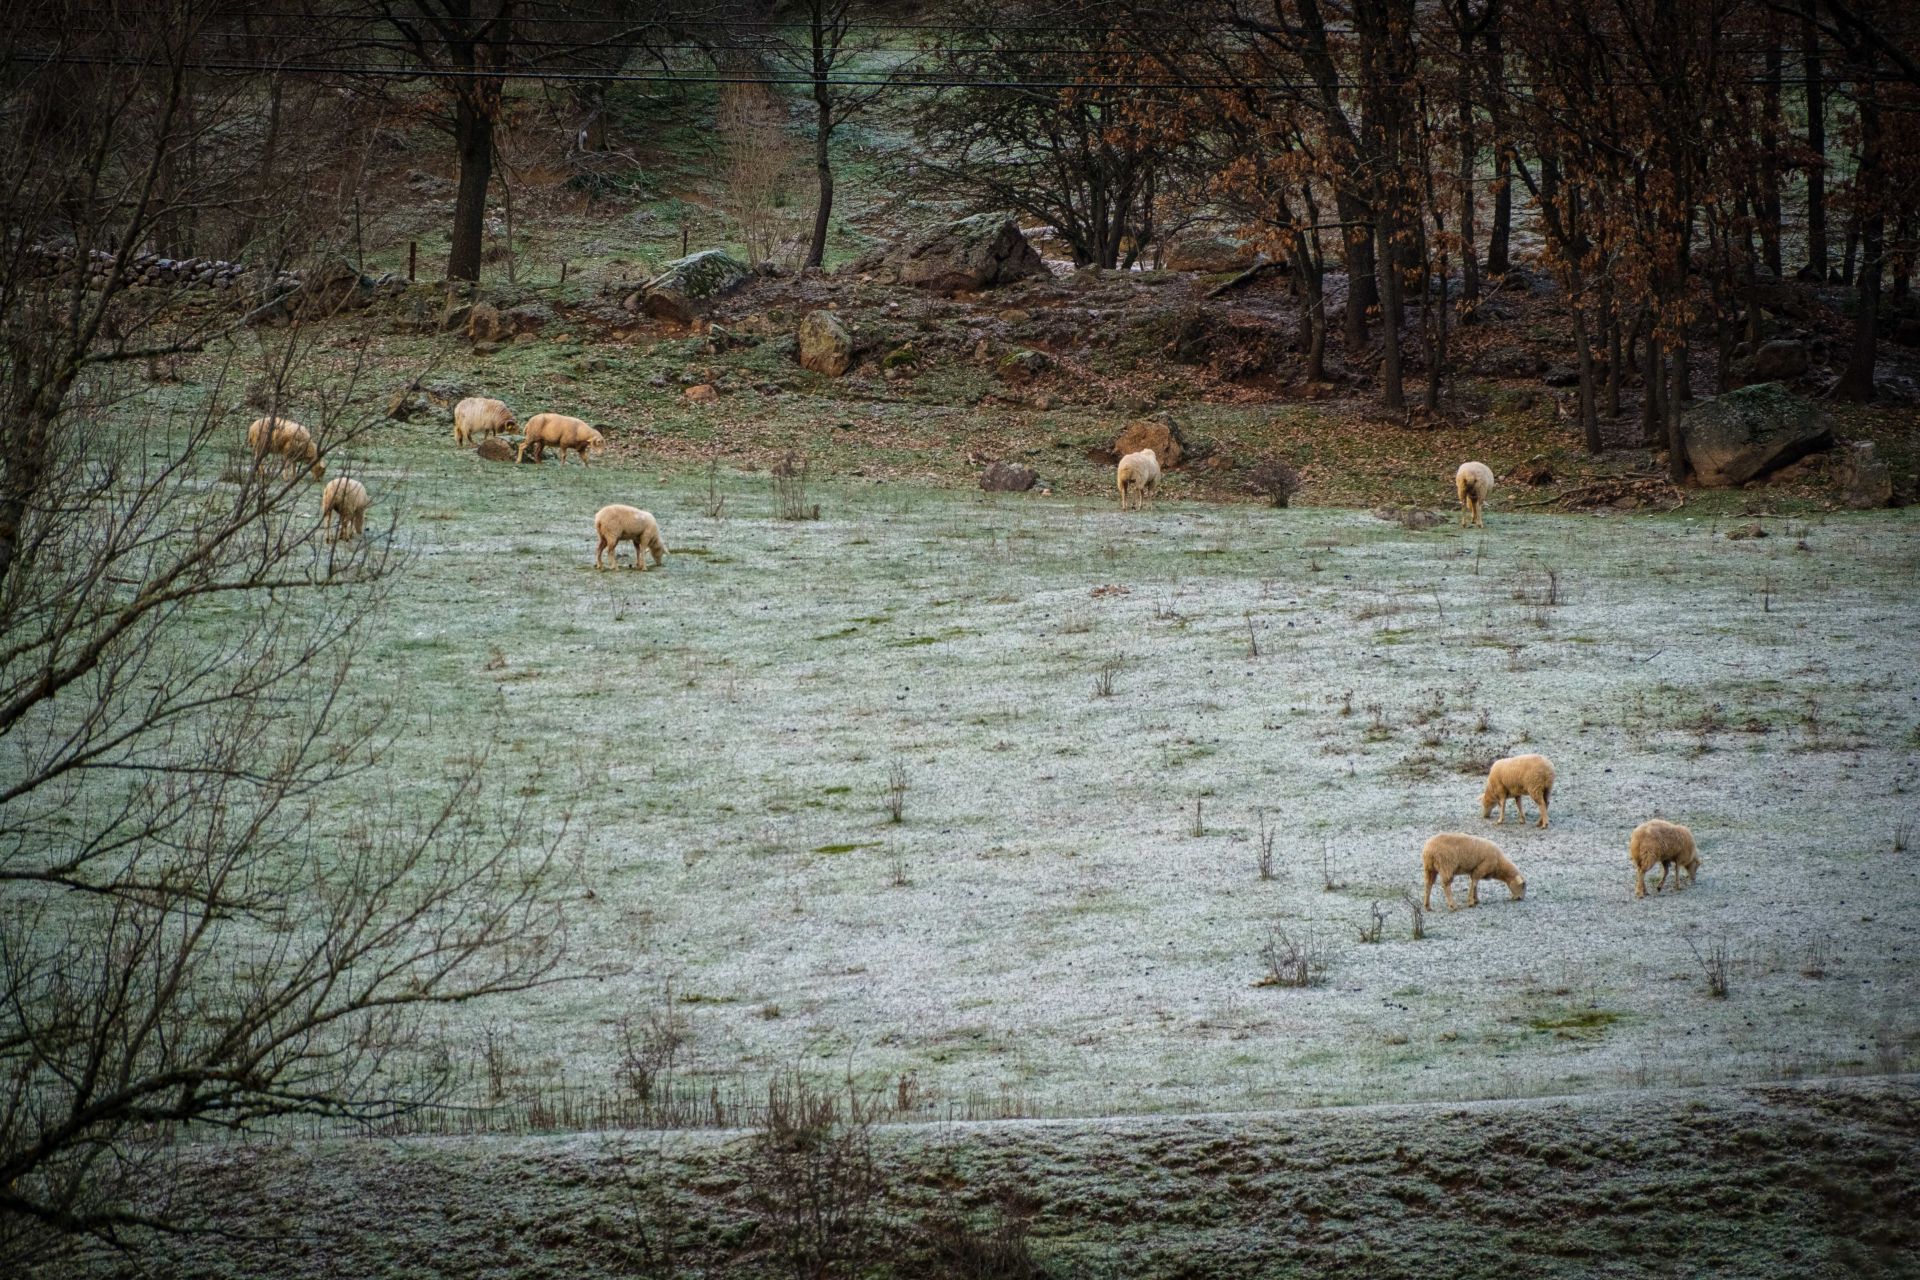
pixel 1488 794
pixel 319 468
pixel 1519 887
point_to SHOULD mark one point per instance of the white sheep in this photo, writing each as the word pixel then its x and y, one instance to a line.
pixel 478 416
pixel 345 499
pixel 1473 482
pixel 1139 472
pixel 1518 778
pixel 1668 844
pixel 1451 854
pixel 284 436
pixel 558 431
pixel 616 524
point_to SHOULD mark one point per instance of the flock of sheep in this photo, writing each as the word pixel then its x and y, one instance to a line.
pixel 1517 778
pixel 343 503
pixel 1445 857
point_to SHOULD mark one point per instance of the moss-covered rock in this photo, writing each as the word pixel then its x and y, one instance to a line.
pixel 1744 434
pixel 677 292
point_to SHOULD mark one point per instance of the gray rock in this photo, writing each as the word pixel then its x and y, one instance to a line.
pixel 973 253
pixel 1782 360
pixel 824 343
pixel 1736 437
pixel 1022 366
pixel 677 292
pixel 1007 477
pixel 1867 482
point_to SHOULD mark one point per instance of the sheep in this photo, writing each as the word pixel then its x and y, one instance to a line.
pixel 1139 472
pixel 562 433
pixel 284 436
pixel 1473 481
pixel 616 524
pixel 1518 778
pixel 1671 846
pixel 1451 854
pixel 345 499
pixel 478 416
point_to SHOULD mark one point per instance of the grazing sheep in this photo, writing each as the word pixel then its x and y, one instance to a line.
pixel 1139 472
pixel 617 524
pixel 284 436
pixel 562 433
pixel 1512 779
pixel 1451 854
pixel 345 499
pixel 1473 481
pixel 1671 846
pixel 478 416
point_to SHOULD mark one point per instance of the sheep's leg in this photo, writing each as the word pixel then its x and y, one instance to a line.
pixel 1639 881
pixel 1426 903
pixel 1540 802
pixel 1665 867
pixel 599 549
pixel 1473 891
pixel 1501 821
pixel 639 552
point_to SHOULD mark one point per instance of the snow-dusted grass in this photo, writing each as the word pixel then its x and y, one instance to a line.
pixel 721 737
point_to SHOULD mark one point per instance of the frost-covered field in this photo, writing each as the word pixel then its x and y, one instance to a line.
pixel 1068 918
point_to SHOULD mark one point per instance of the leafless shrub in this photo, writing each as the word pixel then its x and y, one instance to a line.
pixel 1199 827
pixel 650 1043
pixel 1327 883
pixel 811 1178
pixel 996 1249
pixel 1292 961
pixel 1817 960
pixel 1716 965
pixel 1902 834
pixel 897 869
pixel 498 1055
pixel 1416 912
pixel 897 785
pixel 1265 854
pixel 760 169
pixel 1376 923
pixel 1103 677
pixel 715 505
pixel 1275 480
pixel 790 489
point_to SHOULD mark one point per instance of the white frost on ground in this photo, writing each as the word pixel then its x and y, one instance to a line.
pixel 722 733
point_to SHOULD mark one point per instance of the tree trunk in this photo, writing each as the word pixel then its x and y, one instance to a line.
pixel 1390 310
pixel 473 137
pixel 1856 383
pixel 1610 305
pixel 1769 203
pixel 1653 416
pixel 1817 144
pixel 823 173
pixel 1676 450
pixel 1469 147
pixel 1497 235
pixel 1437 345
pixel 1589 415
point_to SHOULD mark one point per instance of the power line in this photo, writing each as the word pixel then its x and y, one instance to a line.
pixel 913 81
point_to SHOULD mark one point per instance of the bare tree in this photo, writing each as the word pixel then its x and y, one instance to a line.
pixel 827 43
pixel 1012 137
pixel 213 910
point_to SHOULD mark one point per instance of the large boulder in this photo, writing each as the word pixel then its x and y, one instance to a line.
pixel 1865 479
pixel 677 292
pixel 1736 437
pixel 1145 433
pixel 824 344
pixel 973 253
pixel 1007 477
pixel 1210 253
pixel 1781 360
